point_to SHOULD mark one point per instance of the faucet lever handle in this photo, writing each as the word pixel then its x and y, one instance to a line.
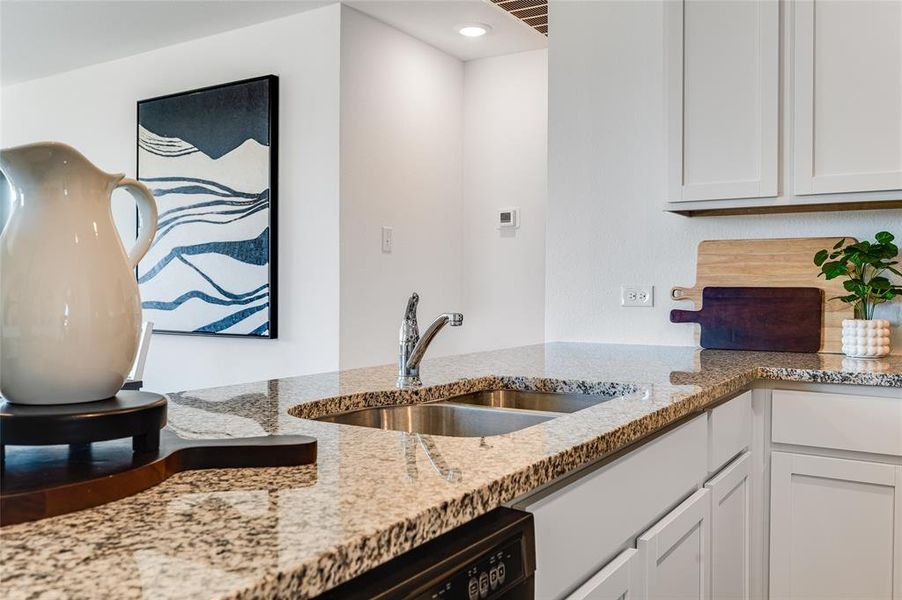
pixel 410 313
pixel 410 331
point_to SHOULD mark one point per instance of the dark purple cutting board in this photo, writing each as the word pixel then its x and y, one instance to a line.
pixel 758 318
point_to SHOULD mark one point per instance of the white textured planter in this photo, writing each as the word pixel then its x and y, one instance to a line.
pixel 865 338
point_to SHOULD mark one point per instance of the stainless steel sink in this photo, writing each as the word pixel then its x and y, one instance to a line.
pixel 476 414
pixel 457 420
pixel 526 400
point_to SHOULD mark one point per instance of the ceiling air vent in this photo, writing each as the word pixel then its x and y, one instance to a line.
pixel 532 12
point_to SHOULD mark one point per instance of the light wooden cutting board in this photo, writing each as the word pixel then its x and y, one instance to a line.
pixel 786 262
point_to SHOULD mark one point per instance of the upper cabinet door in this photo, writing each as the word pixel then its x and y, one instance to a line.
pixel 847 96
pixel 722 86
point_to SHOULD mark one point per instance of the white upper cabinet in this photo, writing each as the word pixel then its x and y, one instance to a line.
pixel 782 106
pixel 847 95
pixel 722 85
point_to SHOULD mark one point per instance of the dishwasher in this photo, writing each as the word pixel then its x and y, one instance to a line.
pixel 490 558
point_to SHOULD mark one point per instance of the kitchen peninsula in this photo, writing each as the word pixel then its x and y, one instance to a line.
pixel 299 531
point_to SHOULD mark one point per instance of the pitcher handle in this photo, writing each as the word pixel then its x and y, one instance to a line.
pixel 147 212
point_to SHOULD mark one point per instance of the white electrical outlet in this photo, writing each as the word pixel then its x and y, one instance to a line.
pixel 637 295
pixel 386 240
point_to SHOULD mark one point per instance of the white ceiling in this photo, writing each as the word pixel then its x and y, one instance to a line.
pixel 43 37
pixel 434 21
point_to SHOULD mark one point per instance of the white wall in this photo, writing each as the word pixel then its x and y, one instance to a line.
pixel 401 121
pixel 94 109
pixel 431 147
pixel 505 153
pixel 606 184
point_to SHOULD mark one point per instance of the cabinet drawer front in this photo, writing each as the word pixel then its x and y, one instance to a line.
pixel 729 430
pixel 839 421
pixel 582 525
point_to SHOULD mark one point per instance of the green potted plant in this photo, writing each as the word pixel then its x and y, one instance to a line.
pixel 866 267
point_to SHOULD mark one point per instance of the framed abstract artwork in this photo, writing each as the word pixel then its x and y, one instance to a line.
pixel 210 157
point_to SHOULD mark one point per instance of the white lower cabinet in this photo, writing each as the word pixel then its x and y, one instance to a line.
pixel 582 525
pixel 621 579
pixel 836 528
pixel 730 530
pixel 677 551
pixel 835 522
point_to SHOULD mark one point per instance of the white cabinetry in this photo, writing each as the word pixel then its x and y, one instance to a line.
pixel 586 521
pixel 622 579
pixel 834 522
pixel 698 550
pixel 677 551
pixel 847 95
pixel 836 528
pixel 870 424
pixel 833 68
pixel 722 82
pixel 589 540
pixel 729 430
pixel 730 530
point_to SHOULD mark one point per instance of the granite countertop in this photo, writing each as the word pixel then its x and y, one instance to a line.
pixel 372 495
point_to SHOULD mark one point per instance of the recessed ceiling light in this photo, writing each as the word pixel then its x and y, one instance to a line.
pixel 474 29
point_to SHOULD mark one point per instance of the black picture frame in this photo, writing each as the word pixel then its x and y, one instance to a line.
pixel 273 134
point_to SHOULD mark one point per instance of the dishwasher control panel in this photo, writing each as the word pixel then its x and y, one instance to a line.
pixel 486 578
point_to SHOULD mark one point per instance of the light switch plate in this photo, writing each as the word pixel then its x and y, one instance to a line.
pixel 386 240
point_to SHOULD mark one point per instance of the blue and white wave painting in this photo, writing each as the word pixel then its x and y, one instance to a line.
pixel 208 268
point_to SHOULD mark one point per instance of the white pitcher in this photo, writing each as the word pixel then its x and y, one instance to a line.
pixel 70 313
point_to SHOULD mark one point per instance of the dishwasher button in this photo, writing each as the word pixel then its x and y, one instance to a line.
pixel 493 578
pixel 484 584
pixel 502 572
pixel 473 588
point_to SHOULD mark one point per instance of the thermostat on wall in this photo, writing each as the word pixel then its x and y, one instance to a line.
pixel 508 218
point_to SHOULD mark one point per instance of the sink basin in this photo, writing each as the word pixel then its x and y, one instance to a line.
pixel 526 400
pixel 476 414
pixel 457 420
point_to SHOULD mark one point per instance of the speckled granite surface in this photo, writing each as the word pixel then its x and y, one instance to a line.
pixel 295 532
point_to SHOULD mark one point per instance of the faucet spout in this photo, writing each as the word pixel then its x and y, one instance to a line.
pixel 413 347
pixel 452 319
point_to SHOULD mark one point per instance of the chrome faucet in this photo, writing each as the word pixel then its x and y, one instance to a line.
pixel 413 347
